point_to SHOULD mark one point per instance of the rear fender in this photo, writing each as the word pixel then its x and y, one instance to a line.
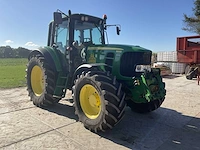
pixel 50 55
pixel 54 59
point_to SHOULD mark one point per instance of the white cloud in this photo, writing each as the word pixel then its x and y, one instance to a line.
pixel 31 44
pixel 9 41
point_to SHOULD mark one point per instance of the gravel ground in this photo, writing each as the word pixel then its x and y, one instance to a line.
pixel 176 125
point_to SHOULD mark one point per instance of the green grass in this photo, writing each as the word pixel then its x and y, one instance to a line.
pixel 12 72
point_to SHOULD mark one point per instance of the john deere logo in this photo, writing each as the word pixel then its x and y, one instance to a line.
pixel 92 59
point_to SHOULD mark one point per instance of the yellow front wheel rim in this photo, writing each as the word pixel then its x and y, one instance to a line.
pixel 37 80
pixel 90 101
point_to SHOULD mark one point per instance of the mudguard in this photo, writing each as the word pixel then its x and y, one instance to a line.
pixel 88 67
pixel 49 54
pixel 57 63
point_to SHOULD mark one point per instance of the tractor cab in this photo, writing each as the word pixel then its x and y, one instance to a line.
pixel 71 34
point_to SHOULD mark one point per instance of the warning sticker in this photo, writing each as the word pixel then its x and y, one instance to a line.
pixel 92 59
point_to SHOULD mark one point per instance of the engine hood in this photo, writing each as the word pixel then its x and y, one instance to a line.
pixel 118 47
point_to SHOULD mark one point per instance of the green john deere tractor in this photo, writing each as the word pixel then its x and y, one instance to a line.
pixel 104 78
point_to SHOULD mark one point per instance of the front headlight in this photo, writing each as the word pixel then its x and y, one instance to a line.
pixel 142 68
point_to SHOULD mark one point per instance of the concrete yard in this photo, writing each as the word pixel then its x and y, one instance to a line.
pixel 174 126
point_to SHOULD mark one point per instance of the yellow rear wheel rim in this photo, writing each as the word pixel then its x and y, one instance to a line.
pixel 37 80
pixel 90 101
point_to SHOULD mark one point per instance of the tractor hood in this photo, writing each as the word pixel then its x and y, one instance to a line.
pixel 117 47
pixel 121 58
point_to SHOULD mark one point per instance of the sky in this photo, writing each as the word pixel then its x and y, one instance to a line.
pixel 152 24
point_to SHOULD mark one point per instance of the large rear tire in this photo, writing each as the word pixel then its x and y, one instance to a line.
pixel 98 100
pixel 41 82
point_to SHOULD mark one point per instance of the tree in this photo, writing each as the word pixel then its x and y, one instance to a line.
pixel 23 52
pixel 8 52
pixel 2 49
pixel 192 23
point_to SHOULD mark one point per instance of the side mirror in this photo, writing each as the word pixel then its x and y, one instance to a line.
pixel 118 30
pixel 57 17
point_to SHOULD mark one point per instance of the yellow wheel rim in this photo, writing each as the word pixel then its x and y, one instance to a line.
pixel 37 80
pixel 90 101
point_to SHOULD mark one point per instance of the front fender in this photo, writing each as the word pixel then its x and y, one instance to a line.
pixel 88 67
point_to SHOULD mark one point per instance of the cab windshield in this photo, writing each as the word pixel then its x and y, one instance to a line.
pixel 87 32
pixel 84 33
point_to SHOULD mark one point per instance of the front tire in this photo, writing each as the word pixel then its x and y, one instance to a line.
pixel 41 81
pixel 98 100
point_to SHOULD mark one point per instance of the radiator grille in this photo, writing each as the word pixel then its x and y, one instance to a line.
pixel 129 60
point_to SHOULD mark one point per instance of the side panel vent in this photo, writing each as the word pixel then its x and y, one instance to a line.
pixel 109 61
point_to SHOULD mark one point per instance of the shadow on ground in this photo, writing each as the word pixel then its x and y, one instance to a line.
pixel 151 131
pixel 162 129
pixel 63 110
pixel 172 76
